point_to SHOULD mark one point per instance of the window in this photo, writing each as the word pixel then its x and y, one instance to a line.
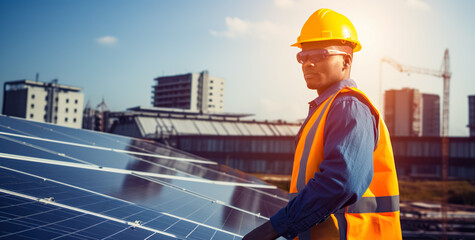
pixel 76 101
pixel 55 109
pixel 67 110
pixel 32 96
pixel 55 118
pixel 75 110
pixel 210 99
pixel 66 119
pixel 56 99
pixel 45 117
pixel 211 81
pixel 31 115
pixel 210 87
pixel 67 100
pixel 74 119
pixel 414 149
pixel 46 98
pixel 460 149
pixel 46 108
pixel 211 94
pixel 32 105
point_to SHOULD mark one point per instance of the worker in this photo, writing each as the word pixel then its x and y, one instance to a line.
pixel 344 183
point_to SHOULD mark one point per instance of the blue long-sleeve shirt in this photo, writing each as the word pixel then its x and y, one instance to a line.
pixel 350 137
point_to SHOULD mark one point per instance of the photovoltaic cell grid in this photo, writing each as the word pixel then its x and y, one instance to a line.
pixel 58 183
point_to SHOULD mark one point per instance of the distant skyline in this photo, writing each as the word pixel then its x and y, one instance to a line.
pixel 114 49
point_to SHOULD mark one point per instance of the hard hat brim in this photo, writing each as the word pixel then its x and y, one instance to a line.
pixel 355 49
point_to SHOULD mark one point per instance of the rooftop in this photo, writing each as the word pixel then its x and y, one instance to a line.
pixel 13 85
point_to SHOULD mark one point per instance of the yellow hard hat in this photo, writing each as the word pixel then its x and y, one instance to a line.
pixel 326 24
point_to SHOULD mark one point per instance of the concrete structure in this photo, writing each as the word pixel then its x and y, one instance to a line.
pixel 471 115
pixel 430 115
pixel 402 112
pixel 268 146
pixel 421 157
pixel 248 145
pixel 88 117
pixel 410 113
pixel 43 102
pixel 96 119
pixel 197 92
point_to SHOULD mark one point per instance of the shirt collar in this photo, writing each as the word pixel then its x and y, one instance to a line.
pixel 332 90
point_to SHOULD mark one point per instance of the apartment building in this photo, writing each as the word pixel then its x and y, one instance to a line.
pixel 43 102
pixel 198 92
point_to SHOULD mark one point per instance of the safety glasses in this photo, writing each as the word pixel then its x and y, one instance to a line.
pixel 317 55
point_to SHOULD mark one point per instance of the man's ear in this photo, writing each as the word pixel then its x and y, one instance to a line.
pixel 347 60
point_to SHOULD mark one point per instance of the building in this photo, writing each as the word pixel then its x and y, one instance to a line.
pixel 197 92
pixel 43 102
pixel 430 115
pixel 268 146
pixel 471 115
pixel 248 145
pixel 407 112
pixel 421 157
pixel 96 119
pixel 402 112
pixel 88 117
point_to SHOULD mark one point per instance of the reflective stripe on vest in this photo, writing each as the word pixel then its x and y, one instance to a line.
pixel 308 145
pixel 376 214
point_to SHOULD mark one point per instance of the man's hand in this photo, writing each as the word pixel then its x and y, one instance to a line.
pixel 263 232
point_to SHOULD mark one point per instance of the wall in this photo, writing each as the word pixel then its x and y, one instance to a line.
pixel 14 103
pixel 36 104
pixel 69 109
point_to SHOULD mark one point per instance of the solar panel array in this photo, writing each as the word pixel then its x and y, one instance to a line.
pixel 64 183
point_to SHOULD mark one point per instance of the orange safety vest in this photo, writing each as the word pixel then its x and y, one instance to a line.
pixel 374 216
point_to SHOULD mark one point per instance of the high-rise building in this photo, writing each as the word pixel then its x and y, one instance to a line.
pixel 471 115
pixel 43 102
pixel 192 91
pixel 430 115
pixel 407 112
pixel 402 112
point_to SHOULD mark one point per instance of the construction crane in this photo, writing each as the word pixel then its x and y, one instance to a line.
pixel 445 74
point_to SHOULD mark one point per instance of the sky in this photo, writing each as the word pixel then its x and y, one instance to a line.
pixel 113 49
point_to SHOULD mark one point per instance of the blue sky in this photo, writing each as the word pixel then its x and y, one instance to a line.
pixel 114 49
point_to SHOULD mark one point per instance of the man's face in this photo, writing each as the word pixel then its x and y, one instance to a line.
pixel 322 74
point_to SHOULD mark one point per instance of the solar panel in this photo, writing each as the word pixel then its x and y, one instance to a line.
pixel 58 182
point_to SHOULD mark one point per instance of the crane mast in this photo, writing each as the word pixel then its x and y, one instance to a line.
pixel 445 74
